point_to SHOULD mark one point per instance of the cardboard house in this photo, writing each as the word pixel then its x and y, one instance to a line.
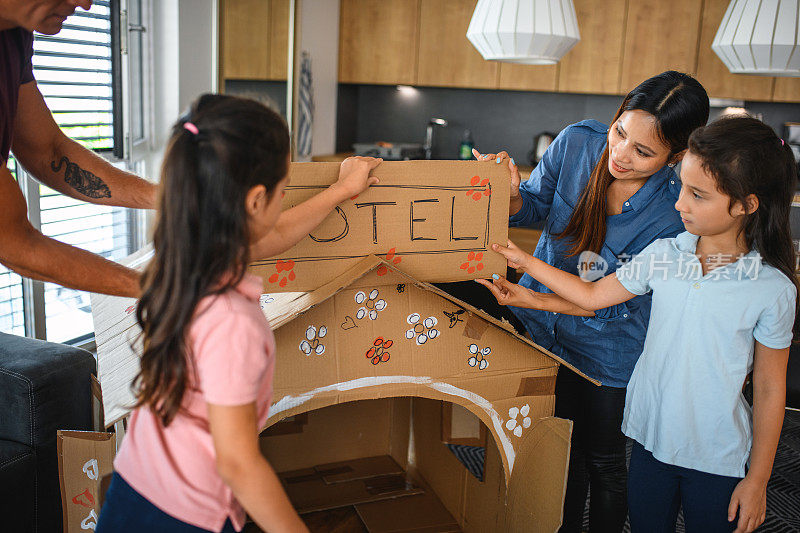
pixel 390 351
pixel 380 375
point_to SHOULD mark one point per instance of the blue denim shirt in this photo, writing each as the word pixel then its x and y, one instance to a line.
pixel 607 345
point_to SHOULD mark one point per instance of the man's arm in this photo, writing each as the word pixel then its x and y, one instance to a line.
pixel 66 166
pixel 29 253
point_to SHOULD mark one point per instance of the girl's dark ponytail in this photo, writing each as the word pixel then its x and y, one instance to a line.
pixel 746 157
pixel 221 149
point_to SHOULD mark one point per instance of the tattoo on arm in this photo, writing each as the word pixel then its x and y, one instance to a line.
pixel 82 180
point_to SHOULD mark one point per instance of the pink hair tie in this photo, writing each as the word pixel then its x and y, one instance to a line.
pixel 191 127
pixel 782 143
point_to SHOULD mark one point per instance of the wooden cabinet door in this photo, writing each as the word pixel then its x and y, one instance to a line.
pixel 446 57
pixel 520 77
pixel 278 39
pixel 659 36
pixel 245 39
pixel 786 90
pixel 712 72
pixel 378 41
pixel 593 65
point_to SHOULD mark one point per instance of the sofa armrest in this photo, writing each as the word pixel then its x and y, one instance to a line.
pixel 44 387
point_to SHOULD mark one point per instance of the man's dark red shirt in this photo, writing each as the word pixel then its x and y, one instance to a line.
pixel 16 51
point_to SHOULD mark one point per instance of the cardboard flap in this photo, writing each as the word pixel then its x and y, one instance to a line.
pixel 539 481
pixel 85 465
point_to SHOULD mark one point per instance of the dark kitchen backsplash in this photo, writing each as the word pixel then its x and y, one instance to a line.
pixel 497 119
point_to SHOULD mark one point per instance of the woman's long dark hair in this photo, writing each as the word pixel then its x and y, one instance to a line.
pixel 746 157
pixel 201 237
pixel 680 104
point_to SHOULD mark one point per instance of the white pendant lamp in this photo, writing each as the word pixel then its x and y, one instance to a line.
pixel 760 37
pixel 534 32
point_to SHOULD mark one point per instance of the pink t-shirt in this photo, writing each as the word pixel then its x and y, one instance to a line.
pixel 175 467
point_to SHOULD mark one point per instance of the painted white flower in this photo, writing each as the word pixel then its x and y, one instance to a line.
pixel 313 340
pixel 423 331
pixel 517 427
pixel 478 357
pixel 371 304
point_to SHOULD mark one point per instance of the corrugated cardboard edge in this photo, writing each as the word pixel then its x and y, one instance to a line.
pixel 536 491
pixel 308 300
pixel 83 435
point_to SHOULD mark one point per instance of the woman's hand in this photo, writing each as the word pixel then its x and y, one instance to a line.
pixel 750 499
pixel 515 257
pixel 508 293
pixel 515 199
pixel 354 175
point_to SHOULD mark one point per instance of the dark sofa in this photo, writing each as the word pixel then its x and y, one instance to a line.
pixel 44 387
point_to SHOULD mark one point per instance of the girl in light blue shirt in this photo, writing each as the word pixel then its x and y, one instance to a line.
pixel 724 305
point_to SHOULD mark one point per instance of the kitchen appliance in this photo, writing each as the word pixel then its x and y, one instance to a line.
pixel 540 144
pixel 791 135
pixel 428 146
pixel 390 151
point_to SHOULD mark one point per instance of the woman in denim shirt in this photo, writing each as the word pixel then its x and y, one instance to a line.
pixel 604 194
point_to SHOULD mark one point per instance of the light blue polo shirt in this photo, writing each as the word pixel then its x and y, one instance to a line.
pixel 684 400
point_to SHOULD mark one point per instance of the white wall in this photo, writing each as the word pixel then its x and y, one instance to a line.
pixel 184 65
pixel 319 35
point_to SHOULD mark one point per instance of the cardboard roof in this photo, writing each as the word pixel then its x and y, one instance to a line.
pixel 287 306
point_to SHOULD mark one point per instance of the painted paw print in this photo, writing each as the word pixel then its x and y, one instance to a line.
pixel 285 273
pixel 390 257
pixel 478 357
pixel 421 331
pixel 517 427
pixel 313 340
pixel 379 351
pixel 472 256
pixel 477 182
pixel 371 304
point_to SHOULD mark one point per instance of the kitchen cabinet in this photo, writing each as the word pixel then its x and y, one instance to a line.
pixel 593 65
pixel 279 39
pixel 378 41
pixel 712 72
pixel 254 40
pixel 786 90
pixel 446 57
pixel 423 42
pixel 659 36
pixel 519 77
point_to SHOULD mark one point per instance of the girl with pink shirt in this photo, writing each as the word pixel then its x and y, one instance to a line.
pixel 190 460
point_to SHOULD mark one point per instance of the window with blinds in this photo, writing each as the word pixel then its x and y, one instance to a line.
pixel 12 312
pixel 73 70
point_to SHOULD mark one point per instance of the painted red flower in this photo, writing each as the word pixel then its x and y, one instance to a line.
pixel 477 182
pixel 391 257
pixel 476 257
pixel 284 274
pixel 378 352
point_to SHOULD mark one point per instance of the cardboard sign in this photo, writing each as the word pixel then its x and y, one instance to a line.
pixel 85 465
pixel 435 220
